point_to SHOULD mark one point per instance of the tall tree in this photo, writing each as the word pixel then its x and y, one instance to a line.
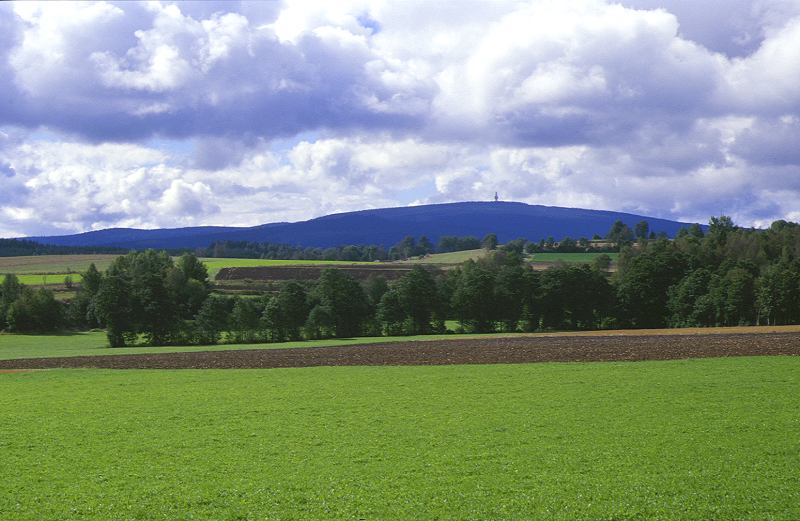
pixel 273 321
pixel 212 319
pixel 739 296
pixel 620 234
pixel 35 311
pixel 155 306
pixel 292 302
pixel 320 323
pixel 425 246
pixel 417 293
pixel 473 298
pixel 375 288
pixel 391 314
pixel 10 291
pixel 192 268
pixel 778 294
pixel 643 283
pixel 246 320
pixel 406 248
pixel 344 297
pixel 510 292
pixel 113 306
pixel 489 242
pixel 81 310
pixel 142 294
pixel 683 297
pixel 642 230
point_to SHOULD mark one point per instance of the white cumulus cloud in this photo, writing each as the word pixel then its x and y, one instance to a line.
pixel 171 114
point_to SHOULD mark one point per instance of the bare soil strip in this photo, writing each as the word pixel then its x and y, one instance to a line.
pixel 474 351
pixel 659 332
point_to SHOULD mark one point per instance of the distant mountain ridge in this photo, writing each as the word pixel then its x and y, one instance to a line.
pixel 385 226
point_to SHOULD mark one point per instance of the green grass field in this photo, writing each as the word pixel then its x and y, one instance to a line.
pixel 32 279
pixel 570 258
pixel 692 439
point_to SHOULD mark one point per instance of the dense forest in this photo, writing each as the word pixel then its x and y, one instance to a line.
pixel 20 247
pixel 408 247
pixel 404 249
pixel 725 276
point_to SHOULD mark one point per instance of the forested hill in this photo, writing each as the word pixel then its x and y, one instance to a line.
pixel 386 226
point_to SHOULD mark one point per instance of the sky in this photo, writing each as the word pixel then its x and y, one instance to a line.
pixel 234 113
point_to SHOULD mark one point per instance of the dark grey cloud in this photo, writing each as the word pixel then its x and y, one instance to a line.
pixel 215 153
pixel 770 142
pixel 735 28
pixel 728 26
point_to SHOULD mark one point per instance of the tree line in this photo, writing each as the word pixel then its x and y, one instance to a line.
pixel 23 309
pixel 407 247
pixel 146 297
pixel 411 246
pixel 725 276
pixel 22 247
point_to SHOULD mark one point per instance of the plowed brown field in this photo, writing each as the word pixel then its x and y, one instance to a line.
pixel 472 351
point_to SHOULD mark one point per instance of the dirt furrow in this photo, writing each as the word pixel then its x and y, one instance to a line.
pixel 473 351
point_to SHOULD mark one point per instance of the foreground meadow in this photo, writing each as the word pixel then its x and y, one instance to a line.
pixel 691 439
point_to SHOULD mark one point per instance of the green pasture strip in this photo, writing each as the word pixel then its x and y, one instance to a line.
pixel 689 440
pixel 32 279
pixel 13 346
pixel 94 343
pixel 576 258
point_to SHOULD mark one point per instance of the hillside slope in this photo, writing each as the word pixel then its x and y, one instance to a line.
pixel 385 226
